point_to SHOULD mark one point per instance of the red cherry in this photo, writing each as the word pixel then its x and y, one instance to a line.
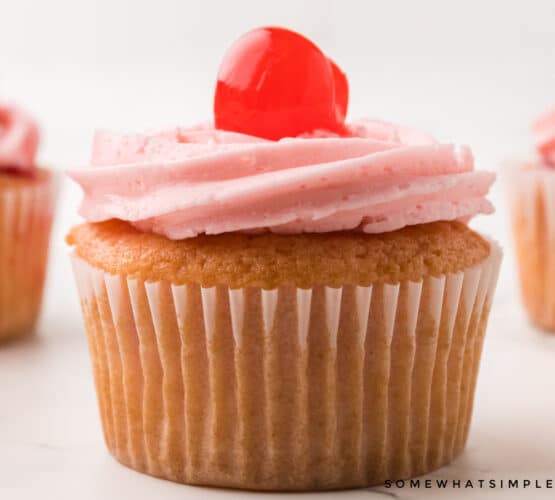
pixel 275 83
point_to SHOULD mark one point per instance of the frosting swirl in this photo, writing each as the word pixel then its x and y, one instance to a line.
pixel 185 182
pixel 19 139
pixel 543 129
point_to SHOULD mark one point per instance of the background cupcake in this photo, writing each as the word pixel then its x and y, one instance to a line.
pixel 305 313
pixel 532 198
pixel 26 209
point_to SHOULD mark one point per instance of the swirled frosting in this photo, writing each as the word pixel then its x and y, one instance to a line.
pixel 543 129
pixel 184 182
pixel 19 139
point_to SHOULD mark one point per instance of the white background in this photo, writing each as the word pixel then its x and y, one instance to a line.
pixel 473 72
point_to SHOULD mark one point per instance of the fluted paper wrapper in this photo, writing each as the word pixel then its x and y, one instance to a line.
pixel 532 203
pixel 286 389
pixel 25 221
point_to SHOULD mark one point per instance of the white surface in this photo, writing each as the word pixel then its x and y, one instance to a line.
pixel 474 71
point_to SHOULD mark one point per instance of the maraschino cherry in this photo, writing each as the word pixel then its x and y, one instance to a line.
pixel 275 83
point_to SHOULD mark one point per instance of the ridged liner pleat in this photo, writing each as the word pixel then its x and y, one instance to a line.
pixel 286 389
pixel 25 222
pixel 532 202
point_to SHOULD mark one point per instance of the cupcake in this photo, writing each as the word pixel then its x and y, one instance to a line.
pixel 531 185
pixel 26 209
pixel 283 300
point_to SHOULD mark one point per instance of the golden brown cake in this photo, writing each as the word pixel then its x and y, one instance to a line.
pixel 273 385
pixel 269 260
pixel 26 206
pixel 532 195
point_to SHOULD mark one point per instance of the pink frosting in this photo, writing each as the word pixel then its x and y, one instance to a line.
pixel 185 182
pixel 19 139
pixel 543 129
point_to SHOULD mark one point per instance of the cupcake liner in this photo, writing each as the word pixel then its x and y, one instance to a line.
pixel 286 389
pixel 532 202
pixel 26 214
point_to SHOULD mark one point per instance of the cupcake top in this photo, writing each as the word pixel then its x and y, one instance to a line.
pixel 280 158
pixel 19 140
pixel 268 260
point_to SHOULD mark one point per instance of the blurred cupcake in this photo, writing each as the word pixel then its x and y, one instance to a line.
pixel 26 207
pixel 532 200
pixel 296 314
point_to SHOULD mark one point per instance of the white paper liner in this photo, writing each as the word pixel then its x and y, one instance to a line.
pixel 25 221
pixel 286 389
pixel 532 203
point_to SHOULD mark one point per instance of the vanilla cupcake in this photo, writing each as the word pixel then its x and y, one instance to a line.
pixel 531 185
pixel 296 314
pixel 26 208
